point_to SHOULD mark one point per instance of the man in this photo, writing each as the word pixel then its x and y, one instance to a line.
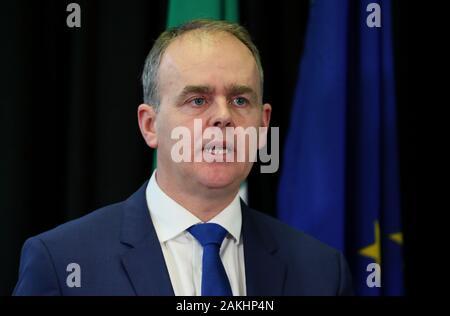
pixel 186 231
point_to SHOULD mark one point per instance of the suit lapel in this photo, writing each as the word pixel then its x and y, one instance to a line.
pixel 145 265
pixel 265 273
pixel 147 270
pixel 144 262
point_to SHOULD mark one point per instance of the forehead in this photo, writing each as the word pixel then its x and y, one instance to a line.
pixel 200 58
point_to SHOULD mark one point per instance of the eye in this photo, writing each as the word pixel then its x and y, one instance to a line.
pixel 198 101
pixel 240 101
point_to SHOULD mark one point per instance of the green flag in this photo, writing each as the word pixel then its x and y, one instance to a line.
pixel 181 11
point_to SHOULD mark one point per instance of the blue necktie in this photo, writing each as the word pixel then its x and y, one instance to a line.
pixel 214 278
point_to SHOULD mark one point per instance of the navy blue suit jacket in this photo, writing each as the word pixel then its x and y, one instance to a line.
pixel 118 253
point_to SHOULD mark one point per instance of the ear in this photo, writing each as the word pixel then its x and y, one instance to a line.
pixel 147 124
pixel 265 121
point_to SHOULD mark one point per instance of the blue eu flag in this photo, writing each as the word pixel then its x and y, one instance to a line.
pixel 340 177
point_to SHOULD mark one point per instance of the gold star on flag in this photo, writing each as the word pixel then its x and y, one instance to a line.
pixel 397 237
pixel 373 250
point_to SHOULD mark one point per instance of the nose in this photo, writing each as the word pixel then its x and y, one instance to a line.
pixel 221 116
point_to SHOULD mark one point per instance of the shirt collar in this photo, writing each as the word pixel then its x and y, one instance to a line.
pixel 171 219
pixel 231 218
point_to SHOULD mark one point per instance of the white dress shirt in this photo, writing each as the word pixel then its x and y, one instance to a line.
pixel 183 253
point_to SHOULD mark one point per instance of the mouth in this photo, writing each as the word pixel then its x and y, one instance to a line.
pixel 218 148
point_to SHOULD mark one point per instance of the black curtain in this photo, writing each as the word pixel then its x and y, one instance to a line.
pixel 68 126
pixel 70 139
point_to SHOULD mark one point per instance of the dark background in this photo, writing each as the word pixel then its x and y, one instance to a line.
pixel 70 141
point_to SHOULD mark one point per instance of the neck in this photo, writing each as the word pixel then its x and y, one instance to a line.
pixel 204 203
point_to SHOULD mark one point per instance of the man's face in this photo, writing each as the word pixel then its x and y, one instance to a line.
pixel 212 77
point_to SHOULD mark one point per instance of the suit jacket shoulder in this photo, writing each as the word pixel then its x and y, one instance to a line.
pixel 312 267
pixel 47 259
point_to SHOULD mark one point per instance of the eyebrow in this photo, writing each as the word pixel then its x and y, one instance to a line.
pixel 240 89
pixel 231 90
pixel 195 89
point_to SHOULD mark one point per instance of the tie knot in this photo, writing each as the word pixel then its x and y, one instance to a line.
pixel 208 233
